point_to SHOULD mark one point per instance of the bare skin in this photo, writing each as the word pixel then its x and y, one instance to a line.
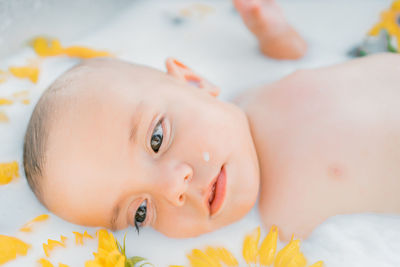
pixel 277 39
pixel 105 159
pixel 328 142
pixel 320 143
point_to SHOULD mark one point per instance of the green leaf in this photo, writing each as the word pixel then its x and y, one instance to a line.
pixel 362 53
pixel 131 262
pixel 123 250
pixel 390 47
pixel 120 247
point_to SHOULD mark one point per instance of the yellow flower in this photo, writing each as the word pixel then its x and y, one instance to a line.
pixel 28 226
pixel 250 246
pixel 46 263
pixel 79 237
pixel 318 264
pixel 46 48
pixel 51 244
pixel 30 72
pixel 268 247
pixel 390 21
pixel 108 254
pixel 8 171
pixel 10 247
pixel 5 101
pixel 290 255
pixel 222 254
pixel 253 254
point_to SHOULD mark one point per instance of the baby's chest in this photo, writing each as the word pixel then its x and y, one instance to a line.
pixel 317 158
pixel 340 131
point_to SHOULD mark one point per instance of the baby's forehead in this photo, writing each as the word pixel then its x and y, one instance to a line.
pixel 112 77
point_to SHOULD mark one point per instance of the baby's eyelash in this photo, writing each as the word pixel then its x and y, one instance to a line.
pixel 157 136
pixel 140 214
pixel 137 228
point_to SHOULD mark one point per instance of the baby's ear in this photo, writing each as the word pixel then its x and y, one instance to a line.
pixel 183 73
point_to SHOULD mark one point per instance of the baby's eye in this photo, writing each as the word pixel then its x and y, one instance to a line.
pixel 157 137
pixel 140 215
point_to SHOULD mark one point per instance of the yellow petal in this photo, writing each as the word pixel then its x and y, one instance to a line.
pixel 376 30
pixel 221 254
pixel 106 240
pixel 318 264
pixel 107 254
pixel 120 262
pixel 45 263
pixel 227 257
pixel 287 253
pixel 298 261
pixel 78 238
pixel 55 243
pixel 3 76
pixel 197 262
pixel 26 101
pixel 84 52
pixel 85 234
pixel 30 72
pixel 268 247
pixel 8 171
pixel 45 48
pixel 51 244
pixel 21 94
pixel 250 246
pixel 212 253
pixel 92 263
pixel 28 226
pixel 199 259
pixel 10 247
pixel 63 239
pixel 3 118
pixel 5 101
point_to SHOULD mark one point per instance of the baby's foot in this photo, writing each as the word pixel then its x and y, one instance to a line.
pixel 277 38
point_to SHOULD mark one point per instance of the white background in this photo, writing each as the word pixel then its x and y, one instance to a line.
pixel 219 47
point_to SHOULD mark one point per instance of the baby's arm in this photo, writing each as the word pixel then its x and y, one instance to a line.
pixel 277 38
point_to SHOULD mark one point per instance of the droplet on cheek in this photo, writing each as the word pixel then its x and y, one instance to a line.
pixel 206 156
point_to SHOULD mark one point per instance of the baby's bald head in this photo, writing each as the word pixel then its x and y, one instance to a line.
pixel 37 133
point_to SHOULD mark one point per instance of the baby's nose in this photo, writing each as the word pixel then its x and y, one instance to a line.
pixel 176 183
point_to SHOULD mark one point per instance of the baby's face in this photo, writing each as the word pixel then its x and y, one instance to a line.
pixel 143 149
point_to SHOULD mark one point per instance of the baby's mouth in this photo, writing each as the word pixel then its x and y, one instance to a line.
pixel 211 198
pixel 217 193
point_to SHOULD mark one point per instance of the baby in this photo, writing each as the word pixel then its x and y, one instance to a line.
pixel 114 144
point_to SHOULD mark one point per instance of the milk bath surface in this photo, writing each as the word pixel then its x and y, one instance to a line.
pixel 210 38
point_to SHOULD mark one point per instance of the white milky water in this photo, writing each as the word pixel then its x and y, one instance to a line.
pixel 206 156
pixel 215 44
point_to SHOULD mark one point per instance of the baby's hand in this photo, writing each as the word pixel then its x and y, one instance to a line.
pixel 277 38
